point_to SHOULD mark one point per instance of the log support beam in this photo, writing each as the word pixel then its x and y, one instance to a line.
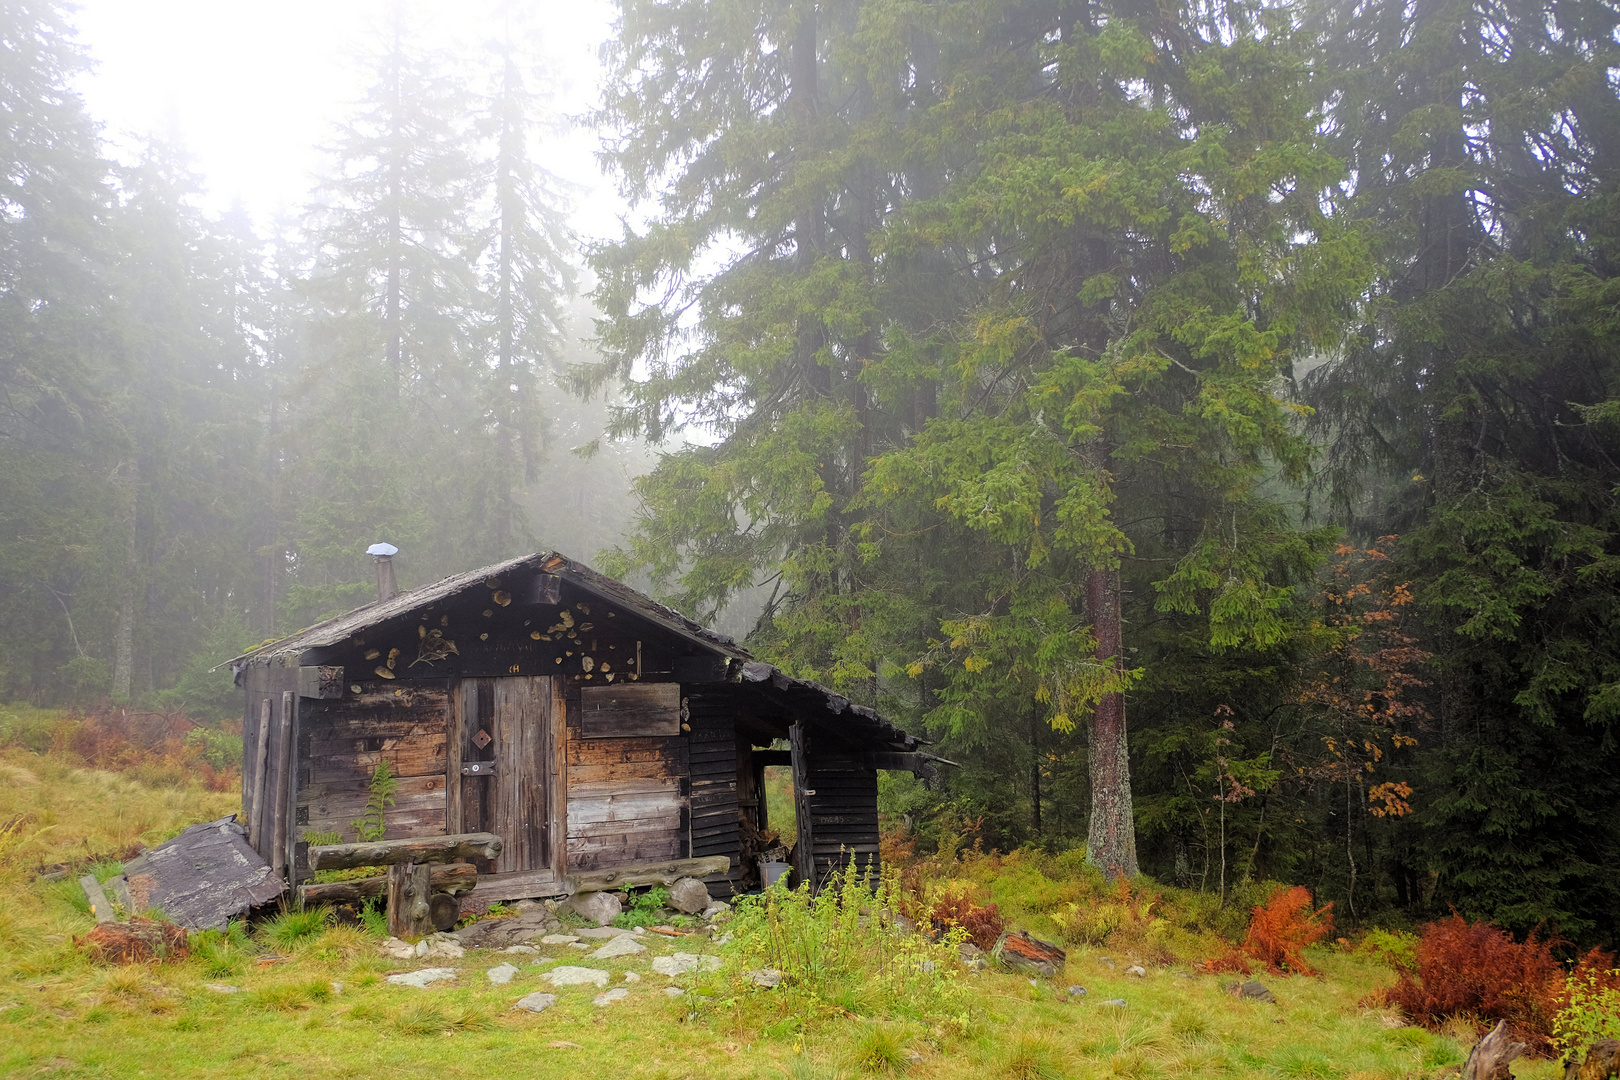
pixel 453 879
pixel 459 847
pixel 409 895
pixel 627 877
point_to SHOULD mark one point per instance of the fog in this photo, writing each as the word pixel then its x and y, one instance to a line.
pixel 252 91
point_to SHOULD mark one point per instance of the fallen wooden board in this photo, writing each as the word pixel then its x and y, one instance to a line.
pixel 120 891
pixel 99 905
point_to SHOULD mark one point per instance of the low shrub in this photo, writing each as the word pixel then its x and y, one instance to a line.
pixel 1478 973
pixel 983 924
pixel 1279 930
pixel 844 950
pixel 161 749
pixel 643 909
pixel 1591 1006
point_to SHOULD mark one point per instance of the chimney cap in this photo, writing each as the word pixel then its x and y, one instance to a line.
pixel 382 550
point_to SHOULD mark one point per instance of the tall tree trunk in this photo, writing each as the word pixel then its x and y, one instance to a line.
pixel 1111 840
pixel 1035 772
pixel 124 632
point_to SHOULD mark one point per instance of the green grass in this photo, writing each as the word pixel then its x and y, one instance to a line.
pixel 328 1010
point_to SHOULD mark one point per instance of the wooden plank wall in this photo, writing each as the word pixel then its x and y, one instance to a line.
pixel 714 819
pixel 843 808
pixel 341 742
pixel 266 688
pixel 627 798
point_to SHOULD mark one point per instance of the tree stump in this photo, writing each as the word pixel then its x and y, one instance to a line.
pixel 1489 1060
pixel 1602 1062
pixel 410 892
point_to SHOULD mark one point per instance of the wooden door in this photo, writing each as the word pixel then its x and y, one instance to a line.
pixel 506 768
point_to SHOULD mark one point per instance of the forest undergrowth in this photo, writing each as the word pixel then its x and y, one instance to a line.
pixel 863 993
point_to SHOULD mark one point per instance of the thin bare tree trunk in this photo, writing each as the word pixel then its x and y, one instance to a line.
pixel 124 632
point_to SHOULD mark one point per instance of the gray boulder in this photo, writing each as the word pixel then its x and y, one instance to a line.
pixel 536 1002
pixel 599 907
pixel 1254 991
pixel 689 895
pixel 499 933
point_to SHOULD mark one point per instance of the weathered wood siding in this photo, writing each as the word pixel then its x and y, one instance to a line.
pixel 713 755
pixel 340 744
pixel 627 797
pixel 268 687
pixel 842 803
pixel 628 710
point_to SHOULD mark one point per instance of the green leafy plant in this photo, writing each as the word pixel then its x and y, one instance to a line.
pixel 316 839
pixel 374 916
pixel 845 947
pixel 1591 1013
pixel 373 824
pixel 643 909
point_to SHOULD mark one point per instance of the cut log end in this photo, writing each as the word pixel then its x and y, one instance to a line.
pixel 443 911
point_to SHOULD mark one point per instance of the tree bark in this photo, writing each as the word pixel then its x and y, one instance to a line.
pixel 409 894
pixel 123 674
pixel 1111 840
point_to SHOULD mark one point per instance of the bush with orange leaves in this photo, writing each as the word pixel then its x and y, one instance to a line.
pixel 159 748
pixel 1477 972
pixel 1279 930
pixel 983 923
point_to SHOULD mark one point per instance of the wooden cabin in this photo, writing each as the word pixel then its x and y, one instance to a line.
pixel 588 726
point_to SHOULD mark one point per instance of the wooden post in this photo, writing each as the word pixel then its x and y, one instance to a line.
pixel 276 802
pixel 804 862
pixel 255 811
pixel 289 746
pixel 409 892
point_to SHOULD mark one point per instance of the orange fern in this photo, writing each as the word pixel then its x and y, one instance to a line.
pixel 1279 930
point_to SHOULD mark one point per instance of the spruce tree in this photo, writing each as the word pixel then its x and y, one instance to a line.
pixel 388 414
pixel 1467 415
pixel 527 278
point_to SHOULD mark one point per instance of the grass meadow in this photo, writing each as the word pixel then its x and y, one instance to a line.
pixel 860 999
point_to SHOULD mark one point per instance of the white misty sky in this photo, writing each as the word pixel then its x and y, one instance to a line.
pixel 252 89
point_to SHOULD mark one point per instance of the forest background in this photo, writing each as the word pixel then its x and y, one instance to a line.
pixel 1248 369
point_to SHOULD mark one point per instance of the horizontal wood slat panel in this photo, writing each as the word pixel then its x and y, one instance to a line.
pixel 400 824
pixel 629 709
pixel 411 758
pixel 615 751
pixel 624 809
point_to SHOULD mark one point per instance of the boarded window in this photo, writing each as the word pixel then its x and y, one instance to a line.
pixel 629 711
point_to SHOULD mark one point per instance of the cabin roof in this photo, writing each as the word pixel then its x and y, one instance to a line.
pixel 341 627
pixel 799 695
